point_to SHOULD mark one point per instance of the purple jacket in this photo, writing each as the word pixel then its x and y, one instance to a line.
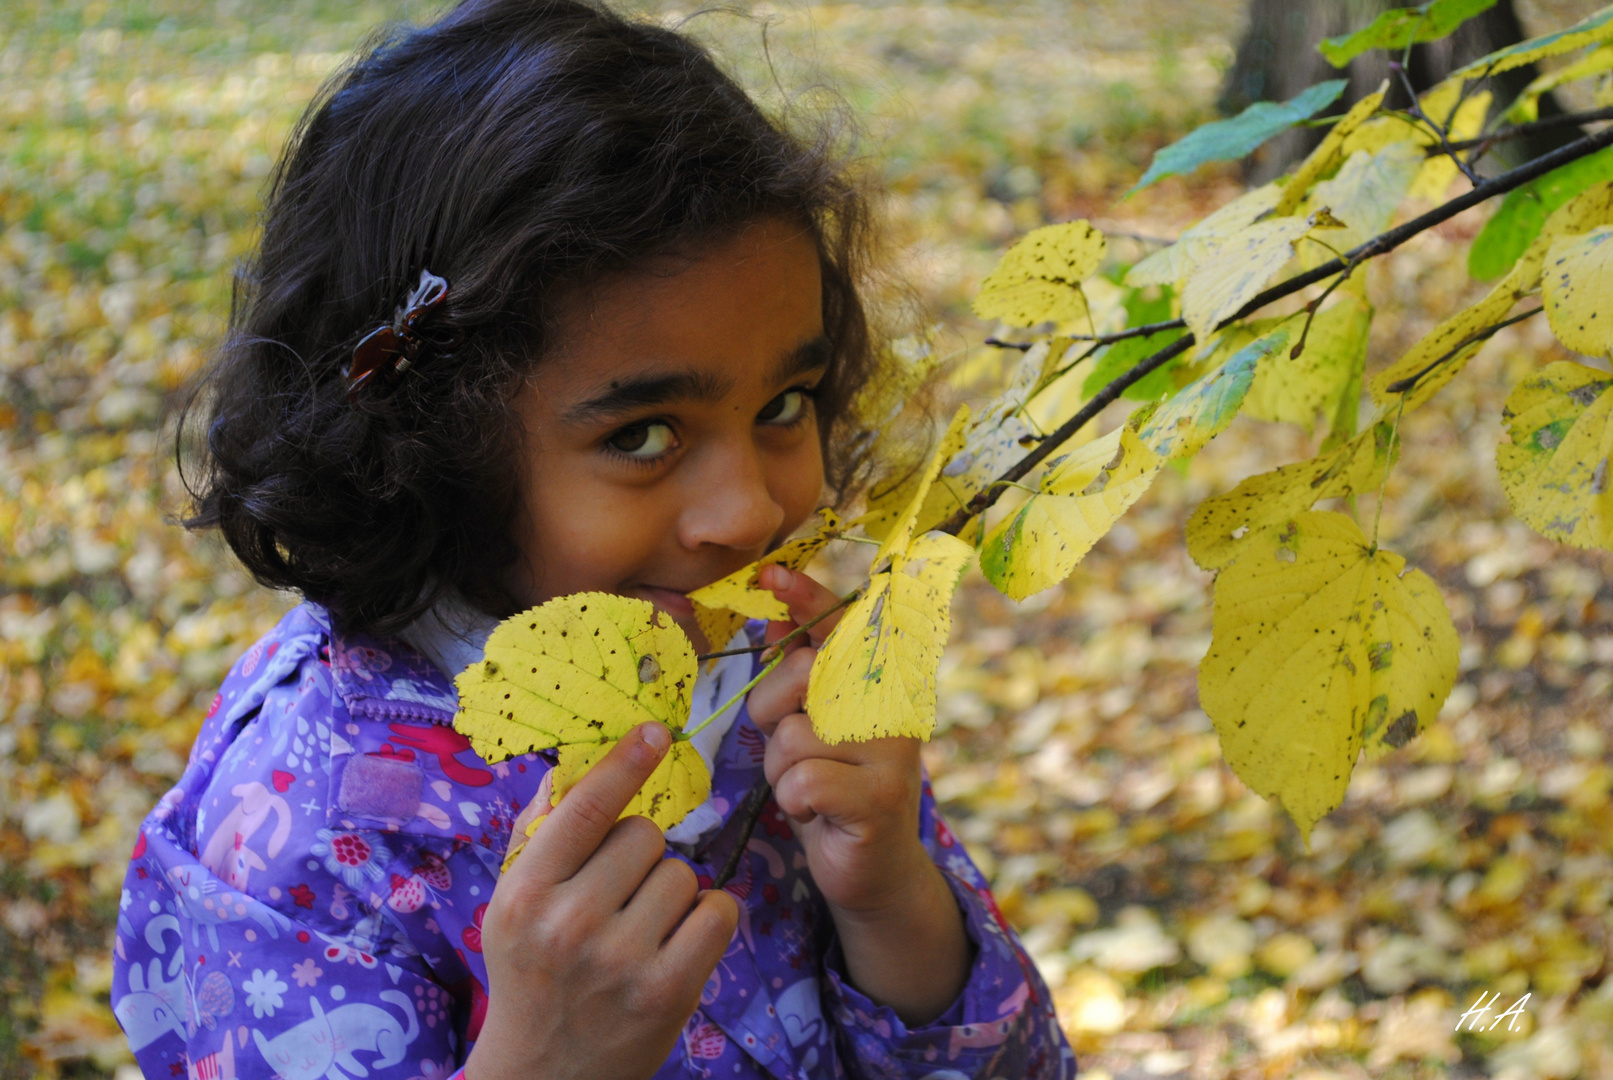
pixel 307 901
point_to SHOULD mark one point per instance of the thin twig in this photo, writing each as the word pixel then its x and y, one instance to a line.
pixel 1378 245
pixel 1589 116
pixel 1441 132
pixel 748 814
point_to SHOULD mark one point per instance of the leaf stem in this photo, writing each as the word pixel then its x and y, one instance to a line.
pixel 684 736
pixel 792 635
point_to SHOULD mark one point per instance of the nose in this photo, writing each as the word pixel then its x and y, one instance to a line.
pixel 727 501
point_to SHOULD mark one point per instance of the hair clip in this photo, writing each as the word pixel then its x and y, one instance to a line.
pixel 392 348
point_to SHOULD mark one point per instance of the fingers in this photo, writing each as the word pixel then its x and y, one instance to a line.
pixel 792 740
pixel 661 902
pixel 619 866
pixel 878 785
pixel 701 940
pixel 576 828
pixel 783 691
pixel 805 598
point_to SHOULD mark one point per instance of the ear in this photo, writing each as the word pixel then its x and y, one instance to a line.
pixel 263 1044
pixel 319 1010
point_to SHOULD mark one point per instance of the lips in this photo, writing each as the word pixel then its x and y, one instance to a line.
pixel 672 601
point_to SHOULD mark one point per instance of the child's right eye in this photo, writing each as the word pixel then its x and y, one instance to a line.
pixel 643 441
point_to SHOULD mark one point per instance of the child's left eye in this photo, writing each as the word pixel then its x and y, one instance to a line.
pixel 787 408
pixel 643 441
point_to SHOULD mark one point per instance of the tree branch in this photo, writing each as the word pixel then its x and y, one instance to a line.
pixel 1378 245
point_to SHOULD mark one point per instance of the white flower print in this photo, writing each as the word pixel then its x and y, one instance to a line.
pixel 352 856
pixel 263 992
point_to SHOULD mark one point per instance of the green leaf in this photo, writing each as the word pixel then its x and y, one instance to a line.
pixel 1399 27
pixel 1506 235
pixel 1117 359
pixel 1226 140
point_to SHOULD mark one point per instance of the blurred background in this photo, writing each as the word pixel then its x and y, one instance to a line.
pixel 1184 928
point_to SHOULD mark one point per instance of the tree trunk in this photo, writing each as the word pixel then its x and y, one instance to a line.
pixel 1277 58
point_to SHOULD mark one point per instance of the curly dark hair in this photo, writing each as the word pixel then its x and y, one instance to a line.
pixel 517 148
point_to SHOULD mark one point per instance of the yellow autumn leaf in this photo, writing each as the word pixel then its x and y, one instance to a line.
pixel 1555 469
pixel 908 363
pixel 1039 278
pixel 1322 644
pixel 578 673
pixel 1577 284
pixel 1445 350
pixel 1591 30
pixel 1321 161
pixel 1078 501
pixel 722 607
pixel 1202 410
pixel 1363 194
pixel 1240 268
pixel 1218 529
pixel 1296 389
pixel 875 675
pixel 1172 265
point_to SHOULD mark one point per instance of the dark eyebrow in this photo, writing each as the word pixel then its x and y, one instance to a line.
pixel 631 395
pixel 806 357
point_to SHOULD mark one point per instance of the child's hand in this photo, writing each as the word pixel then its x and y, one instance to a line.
pixel 856 808
pixel 856 804
pixel 597 948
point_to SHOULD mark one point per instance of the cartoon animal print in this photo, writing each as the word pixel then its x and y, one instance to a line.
pixel 155 1006
pixel 209 905
pixel 324 1045
pixel 227 854
pixel 219 1065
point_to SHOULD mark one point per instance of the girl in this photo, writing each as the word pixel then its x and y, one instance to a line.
pixel 543 304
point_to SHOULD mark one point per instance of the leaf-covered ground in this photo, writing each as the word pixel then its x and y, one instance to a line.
pixel 1184 928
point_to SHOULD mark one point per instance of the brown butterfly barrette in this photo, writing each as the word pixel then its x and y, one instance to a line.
pixel 391 349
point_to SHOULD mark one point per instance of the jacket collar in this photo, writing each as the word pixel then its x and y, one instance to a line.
pixel 384 678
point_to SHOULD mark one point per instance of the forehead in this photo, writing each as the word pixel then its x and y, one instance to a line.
pixel 734 310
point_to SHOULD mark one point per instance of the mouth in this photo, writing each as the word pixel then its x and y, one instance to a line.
pixel 672 601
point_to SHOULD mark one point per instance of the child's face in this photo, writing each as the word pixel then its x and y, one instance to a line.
pixel 673 437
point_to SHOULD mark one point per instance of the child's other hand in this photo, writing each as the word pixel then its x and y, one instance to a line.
pixel 597 948
pixel 856 804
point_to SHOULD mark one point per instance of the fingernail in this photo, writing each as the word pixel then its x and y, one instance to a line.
pixel 656 737
pixel 783 578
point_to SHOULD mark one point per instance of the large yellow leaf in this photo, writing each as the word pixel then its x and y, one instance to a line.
pixel 1328 152
pixel 1321 645
pixel 875 675
pixel 722 607
pixel 1578 285
pixel 1555 470
pixel 1202 410
pixel 1240 268
pixel 1172 265
pixel 1080 499
pixel 1219 530
pixel 578 673
pixel 1296 389
pixel 1039 278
